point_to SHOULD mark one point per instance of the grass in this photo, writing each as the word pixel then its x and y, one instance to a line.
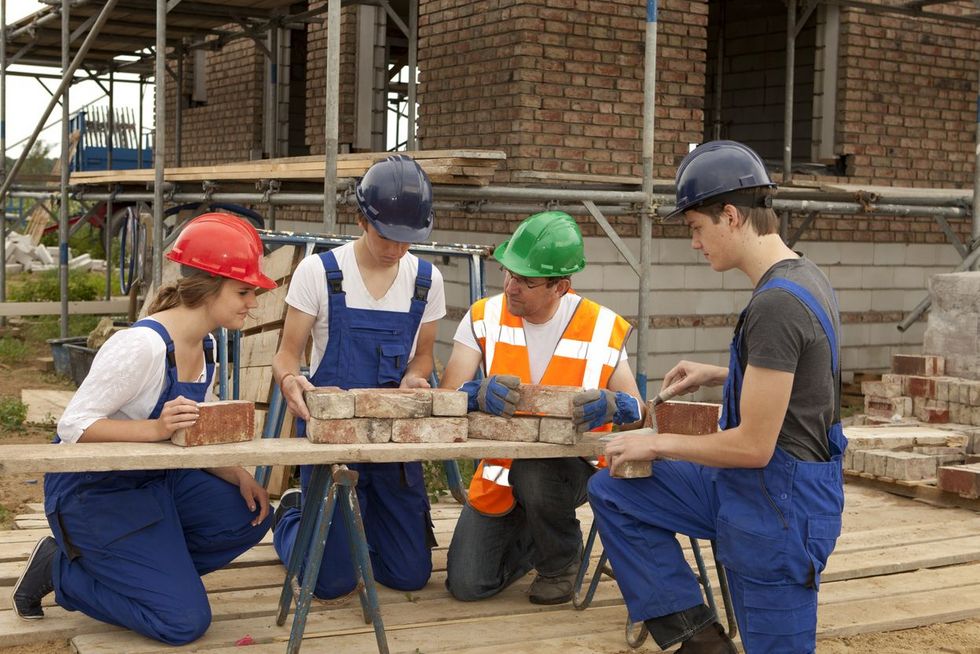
pixel 6 518
pixel 13 413
pixel 13 350
pixel 434 474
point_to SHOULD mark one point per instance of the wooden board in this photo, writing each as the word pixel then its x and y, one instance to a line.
pixel 115 306
pixel 255 383
pixel 278 265
pixel 45 406
pixel 80 457
pixel 271 308
pixel 258 349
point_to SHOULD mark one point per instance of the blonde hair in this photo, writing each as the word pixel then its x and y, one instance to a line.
pixel 191 291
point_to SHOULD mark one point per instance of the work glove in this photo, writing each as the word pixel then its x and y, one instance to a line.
pixel 595 408
pixel 496 394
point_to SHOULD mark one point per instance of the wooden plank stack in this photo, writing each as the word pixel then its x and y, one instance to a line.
pixel 465 167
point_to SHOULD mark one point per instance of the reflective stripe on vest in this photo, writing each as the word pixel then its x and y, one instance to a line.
pixel 586 356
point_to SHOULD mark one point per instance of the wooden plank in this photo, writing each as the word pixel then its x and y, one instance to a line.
pixel 45 406
pixel 271 308
pixel 279 264
pixel 81 457
pixel 255 383
pixel 258 349
pixel 115 306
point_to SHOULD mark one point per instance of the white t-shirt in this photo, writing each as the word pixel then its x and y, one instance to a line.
pixel 124 382
pixel 308 293
pixel 541 339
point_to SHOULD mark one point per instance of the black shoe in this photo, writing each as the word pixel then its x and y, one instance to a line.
pixel 291 499
pixel 712 639
pixel 36 580
pixel 557 589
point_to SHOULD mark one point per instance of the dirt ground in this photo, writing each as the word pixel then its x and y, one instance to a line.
pixel 18 490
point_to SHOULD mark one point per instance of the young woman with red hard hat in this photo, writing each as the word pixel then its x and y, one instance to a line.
pixel 129 547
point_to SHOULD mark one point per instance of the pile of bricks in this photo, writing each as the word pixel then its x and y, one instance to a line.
pixel 917 387
pixel 226 421
pixel 544 415
pixel 374 415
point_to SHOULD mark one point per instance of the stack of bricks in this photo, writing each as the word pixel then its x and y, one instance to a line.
pixel 226 421
pixel 918 388
pixel 375 415
pixel 544 415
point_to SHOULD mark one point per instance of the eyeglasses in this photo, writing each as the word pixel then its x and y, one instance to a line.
pixel 521 281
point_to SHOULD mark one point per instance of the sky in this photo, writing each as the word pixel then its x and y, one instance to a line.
pixel 27 99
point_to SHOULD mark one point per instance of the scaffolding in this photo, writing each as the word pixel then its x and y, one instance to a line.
pixel 134 36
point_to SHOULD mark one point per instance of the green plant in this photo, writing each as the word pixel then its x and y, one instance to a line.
pixel 5 517
pixel 50 326
pixel 13 350
pixel 13 412
pixel 434 474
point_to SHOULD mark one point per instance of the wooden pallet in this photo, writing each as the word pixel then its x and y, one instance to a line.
pixel 899 564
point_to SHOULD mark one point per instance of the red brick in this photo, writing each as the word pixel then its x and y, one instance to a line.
pixel 228 421
pixel 329 403
pixel 560 431
pixel 694 418
pixel 927 365
pixel 392 403
pixel 448 403
pixel 429 430
pixel 918 386
pixel 349 431
pixel 964 479
pixel 887 407
pixel 495 428
pixel 553 401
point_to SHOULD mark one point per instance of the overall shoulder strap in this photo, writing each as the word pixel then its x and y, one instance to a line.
pixel 335 277
pixel 164 335
pixel 423 282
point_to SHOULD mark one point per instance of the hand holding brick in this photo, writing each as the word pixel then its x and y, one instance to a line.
pixel 228 421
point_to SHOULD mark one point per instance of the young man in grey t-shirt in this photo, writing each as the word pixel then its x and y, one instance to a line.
pixel 767 487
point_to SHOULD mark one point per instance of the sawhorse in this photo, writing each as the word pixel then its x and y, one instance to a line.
pixel 636 635
pixel 329 486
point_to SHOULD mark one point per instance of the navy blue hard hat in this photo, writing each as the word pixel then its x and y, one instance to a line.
pixel 395 195
pixel 716 168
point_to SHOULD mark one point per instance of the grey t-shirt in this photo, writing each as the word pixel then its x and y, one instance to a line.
pixel 780 333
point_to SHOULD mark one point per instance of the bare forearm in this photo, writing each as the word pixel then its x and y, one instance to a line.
pixel 419 366
pixel 284 363
pixel 123 431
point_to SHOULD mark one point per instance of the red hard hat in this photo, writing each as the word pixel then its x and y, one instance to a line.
pixel 221 244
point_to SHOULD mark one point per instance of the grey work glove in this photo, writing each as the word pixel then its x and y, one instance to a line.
pixel 594 408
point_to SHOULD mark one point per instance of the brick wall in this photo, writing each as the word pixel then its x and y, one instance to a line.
pixel 235 90
pixel 907 100
pixel 316 80
pixel 558 85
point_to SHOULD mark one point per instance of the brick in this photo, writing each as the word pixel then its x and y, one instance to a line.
pixel 920 386
pixel 227 421
pixel 876 461
pixel 910 466
pixel 694 418
pixel 888 408
pixel 448 403
pixel 882 389
pixel 349 431
pixel 392 403
pixel 858 460
pixel 560 431
pixel 964 479
pixel 935 412
pixel 552 401
pixel 329 403
pixel 633 470
pixel 429 430
pixel 927 365
pixel 495 428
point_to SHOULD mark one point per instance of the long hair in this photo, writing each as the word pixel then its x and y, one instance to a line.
pixel 191 290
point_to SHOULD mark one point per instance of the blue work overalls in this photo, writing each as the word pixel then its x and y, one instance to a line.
pixel 133 544
pixel 370 349
pixel 773 527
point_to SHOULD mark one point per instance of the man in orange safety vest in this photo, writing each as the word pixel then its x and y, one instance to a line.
pixel 521 513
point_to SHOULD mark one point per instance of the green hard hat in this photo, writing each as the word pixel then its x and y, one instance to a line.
pixel 547 244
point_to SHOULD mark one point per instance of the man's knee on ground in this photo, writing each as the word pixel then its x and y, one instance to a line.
pixel 181 625
pixel 334 587
pixel 407 579
pixel 464 587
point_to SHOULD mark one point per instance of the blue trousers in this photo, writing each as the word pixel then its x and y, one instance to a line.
pixel 638 520
pixel 395 511
pixel 132 551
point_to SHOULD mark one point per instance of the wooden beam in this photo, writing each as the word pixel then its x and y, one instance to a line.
pixel 89 307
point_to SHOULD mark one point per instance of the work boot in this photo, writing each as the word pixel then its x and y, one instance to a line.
pixel 557 589
pixel 291 499
pixel 710 640
pixel 36 580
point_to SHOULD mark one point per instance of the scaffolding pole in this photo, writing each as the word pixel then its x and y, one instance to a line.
pixel 159 140
pixel 413 59
pixel 331 118
pixel 975 232
pixel 788 108
pixel 649 208
pixel 3 148
pixel 63 204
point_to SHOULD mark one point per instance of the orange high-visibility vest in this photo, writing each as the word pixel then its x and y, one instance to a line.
pixel 586 355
